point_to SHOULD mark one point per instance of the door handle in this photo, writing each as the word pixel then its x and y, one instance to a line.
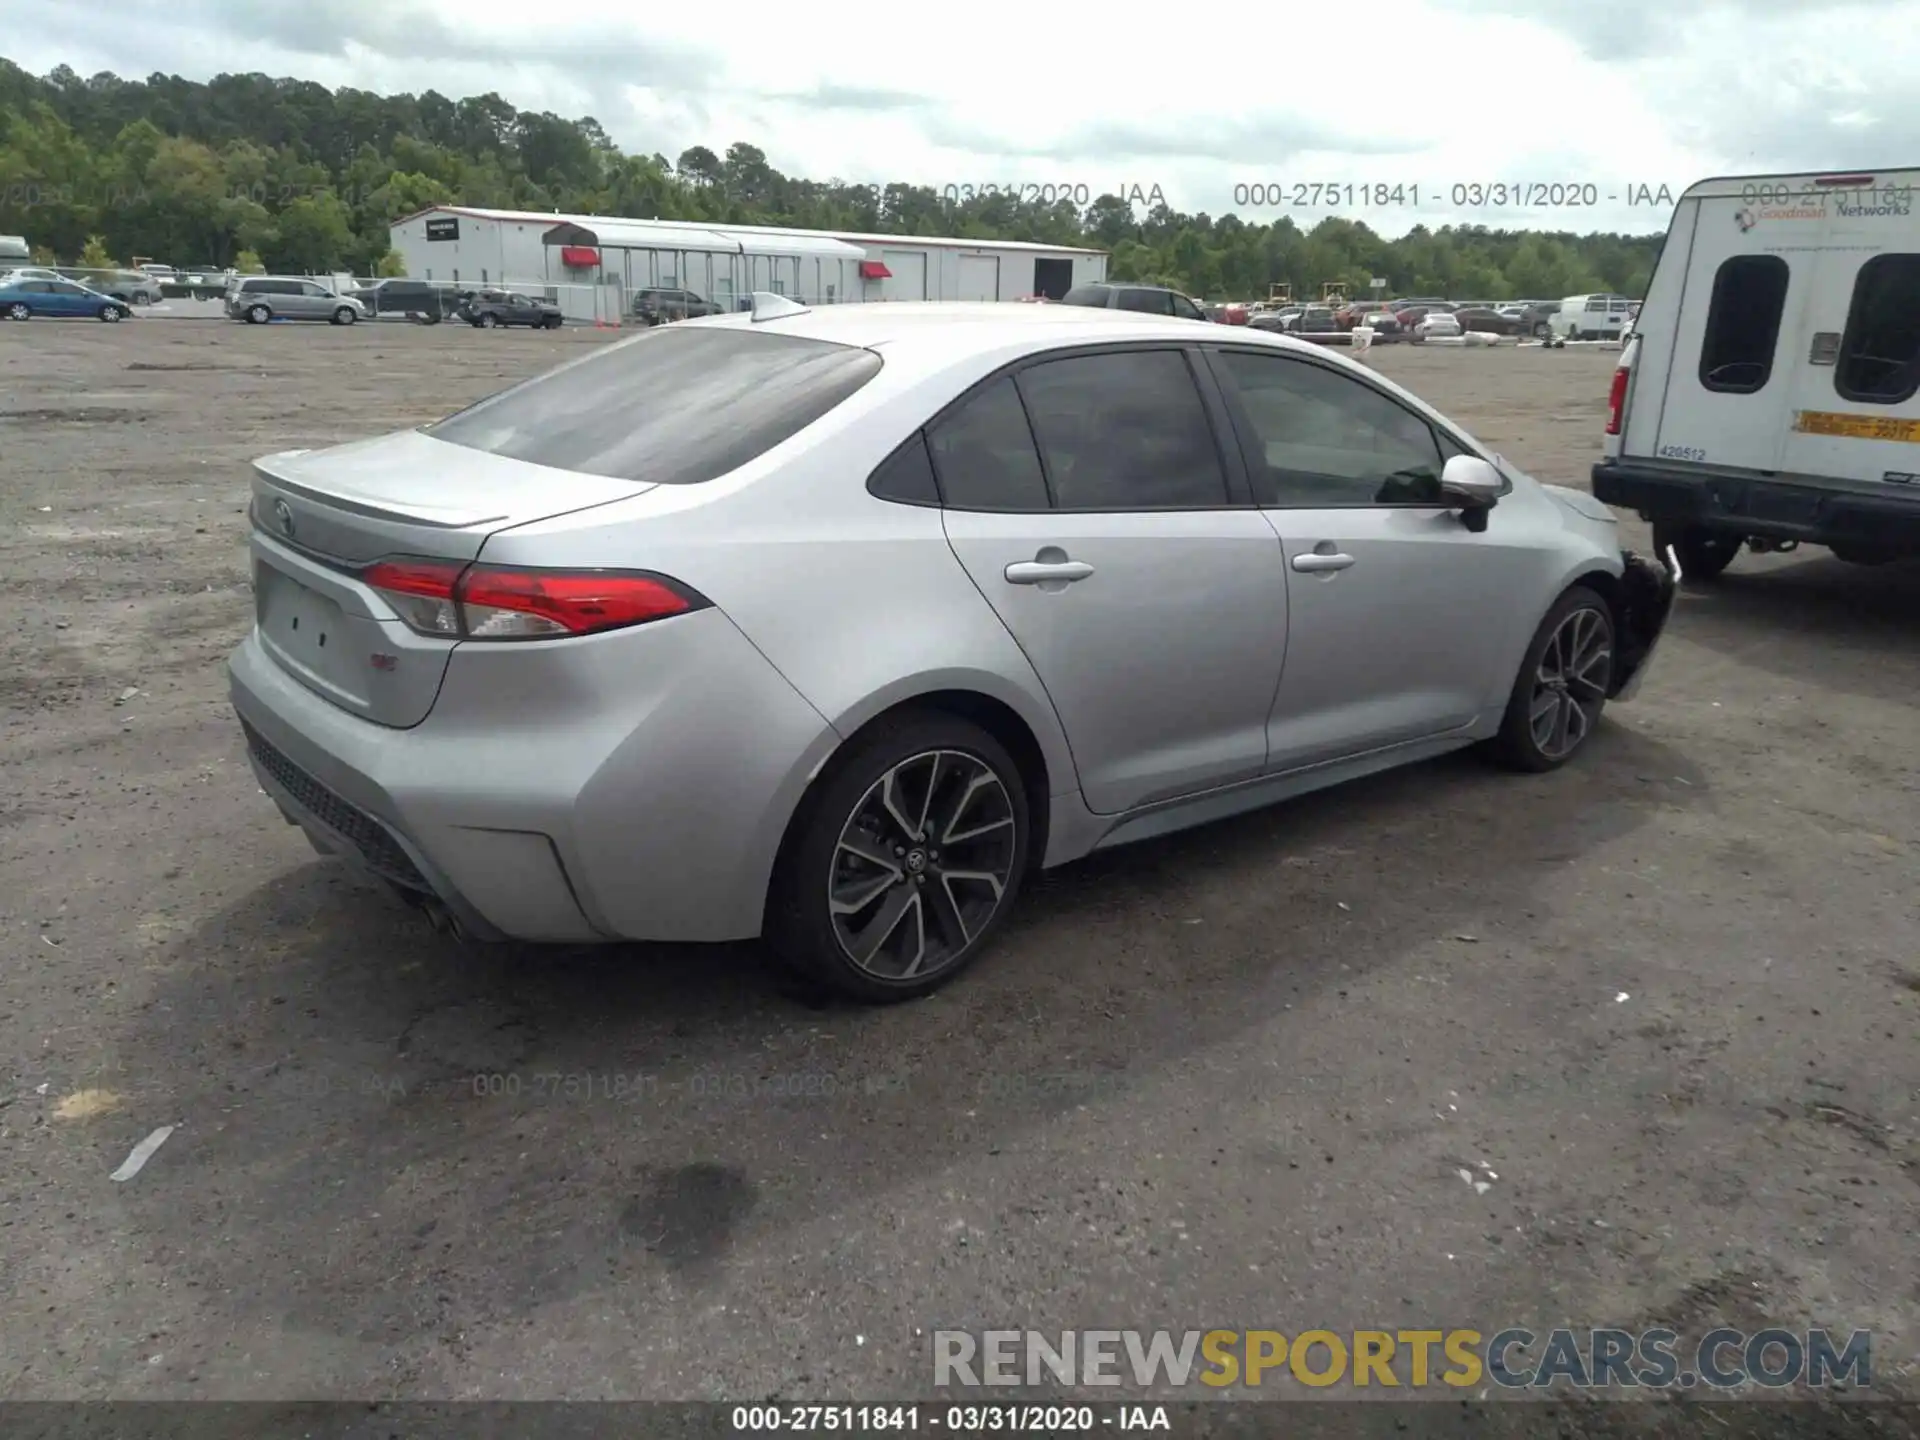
pixel 1318 561
pixel 1042 572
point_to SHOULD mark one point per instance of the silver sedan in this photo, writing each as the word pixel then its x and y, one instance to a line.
pixel 831 626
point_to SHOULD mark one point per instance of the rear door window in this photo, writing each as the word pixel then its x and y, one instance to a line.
pixel 984 454
pixel 674 406
pixel 1147 302
pixel 1880 352
pixel 1125 431
pixel 1098 297
pixel 1743 324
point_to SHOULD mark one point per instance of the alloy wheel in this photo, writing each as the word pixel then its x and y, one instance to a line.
pixel 1571 683
pixel 922 865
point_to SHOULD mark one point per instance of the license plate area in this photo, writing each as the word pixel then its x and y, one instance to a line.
pixel 310 634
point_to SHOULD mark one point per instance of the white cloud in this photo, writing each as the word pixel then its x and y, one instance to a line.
pixel 1426 95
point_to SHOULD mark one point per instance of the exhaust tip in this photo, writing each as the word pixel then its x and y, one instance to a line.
pixel 443 920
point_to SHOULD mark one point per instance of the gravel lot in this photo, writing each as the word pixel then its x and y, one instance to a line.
pixel 1669 997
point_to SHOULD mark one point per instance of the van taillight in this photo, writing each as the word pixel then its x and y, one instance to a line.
pixel 1617 399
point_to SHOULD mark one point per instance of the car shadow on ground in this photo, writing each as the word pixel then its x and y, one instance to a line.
pixel 413 1138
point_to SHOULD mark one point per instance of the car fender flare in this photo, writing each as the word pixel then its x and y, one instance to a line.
pixel 1038 716
pixel 841 729
pixel 1593 567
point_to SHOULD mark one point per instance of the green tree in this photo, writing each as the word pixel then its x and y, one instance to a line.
pixel 312 235
pixel 312 179
pixel 94 255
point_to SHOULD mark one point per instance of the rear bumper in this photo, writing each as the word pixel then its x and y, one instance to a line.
pixel 1783 509
pixel 629 786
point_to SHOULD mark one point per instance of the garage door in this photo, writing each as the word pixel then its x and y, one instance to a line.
pixel 979 277
pixel 906 275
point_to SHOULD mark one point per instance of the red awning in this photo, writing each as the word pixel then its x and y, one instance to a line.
pixel 579 257
pixel 874 270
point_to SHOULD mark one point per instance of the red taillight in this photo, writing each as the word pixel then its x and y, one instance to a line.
pixel 1617 399
pixel 548 602
pixel 482 602
pixel 420 591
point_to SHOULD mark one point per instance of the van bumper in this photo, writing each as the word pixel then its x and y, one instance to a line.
pixel 1783 509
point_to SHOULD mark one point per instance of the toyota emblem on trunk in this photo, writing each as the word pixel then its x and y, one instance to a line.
pixel 283 513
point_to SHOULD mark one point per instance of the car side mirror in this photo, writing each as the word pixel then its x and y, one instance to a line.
pixel 1473 486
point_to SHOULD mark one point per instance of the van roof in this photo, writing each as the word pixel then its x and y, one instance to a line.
pixel 1731 186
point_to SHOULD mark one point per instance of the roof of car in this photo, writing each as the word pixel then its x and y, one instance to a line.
pixel 958 328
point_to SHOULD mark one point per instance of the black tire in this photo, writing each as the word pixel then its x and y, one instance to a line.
pixel 1863 555
pixel 1564 666
pixel 345 315
pixel 113 314
pixel 1703 553
pixel 258 315
pixel 19 310
pixel 488 321
pixel 801 927
pixel 552 322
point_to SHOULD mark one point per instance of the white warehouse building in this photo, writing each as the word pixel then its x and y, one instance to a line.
pixel 593 265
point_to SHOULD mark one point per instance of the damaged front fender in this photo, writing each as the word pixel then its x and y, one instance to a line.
pixel 1647 592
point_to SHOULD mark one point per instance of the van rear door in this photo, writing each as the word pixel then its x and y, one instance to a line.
pixel 1856 385
pixel 1714 385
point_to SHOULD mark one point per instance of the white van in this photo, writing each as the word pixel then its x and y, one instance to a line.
pixel 1770 394
pixel 1590 317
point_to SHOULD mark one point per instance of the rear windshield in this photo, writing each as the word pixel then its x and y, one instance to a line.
pixel 674 406
pixel 1096 296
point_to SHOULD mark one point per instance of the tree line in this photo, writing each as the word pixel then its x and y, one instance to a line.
pixel 251 171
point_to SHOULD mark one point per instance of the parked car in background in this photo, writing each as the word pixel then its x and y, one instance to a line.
pixel 1436 325
pixel 257 299
pixel 30 272
pixel 1536 318
pixel 129 287
pixel 1486 321
pixel 660 307
pixel 418 300
pixel 513 308
pixel 58 299
pixel 1278 320
pixel 1084 647
pixel 1385 325
pixel 1143 299
pixel 1316 323
pixel 1348 315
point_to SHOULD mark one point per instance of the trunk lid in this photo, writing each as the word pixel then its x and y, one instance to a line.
pixel 321 516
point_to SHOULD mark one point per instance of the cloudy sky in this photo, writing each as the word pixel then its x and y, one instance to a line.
pixel 1243 103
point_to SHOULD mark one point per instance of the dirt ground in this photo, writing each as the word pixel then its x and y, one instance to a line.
pixel 1664 1006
